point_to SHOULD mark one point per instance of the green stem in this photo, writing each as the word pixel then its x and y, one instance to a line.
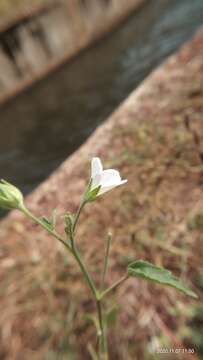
pixel 114 286
pixel 72 250
pixel 103 350
pixel 106 258
pixel 76 253
pixel 50 231
pixel 84 271
pixel 77 216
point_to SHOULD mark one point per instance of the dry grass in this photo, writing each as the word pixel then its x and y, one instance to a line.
pixel 15 5
pixel 11 6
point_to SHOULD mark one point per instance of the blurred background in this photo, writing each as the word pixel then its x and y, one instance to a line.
pixel 65 66
pixel 41 126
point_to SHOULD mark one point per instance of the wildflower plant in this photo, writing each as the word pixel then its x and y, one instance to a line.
pixel 101 181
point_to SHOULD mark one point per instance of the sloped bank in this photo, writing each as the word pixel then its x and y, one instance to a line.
pixel 155 140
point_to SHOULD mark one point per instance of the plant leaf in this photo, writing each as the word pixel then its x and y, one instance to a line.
pixel 49 223
pixel 148 271
pixel 46 222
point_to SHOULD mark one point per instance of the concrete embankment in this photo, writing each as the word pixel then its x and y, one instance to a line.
pixel 155 139
pixel 44 35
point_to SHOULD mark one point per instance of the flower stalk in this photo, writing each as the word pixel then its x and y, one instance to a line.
pixel 106 258
pixel 103 349
pixel 114 286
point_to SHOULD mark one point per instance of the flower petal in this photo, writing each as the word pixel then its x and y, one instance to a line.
pixel 96 167
pixel 107 188
pixel 104 180
pixel 110 177
pixel 96 181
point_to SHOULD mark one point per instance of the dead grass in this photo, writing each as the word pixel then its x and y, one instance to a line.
pixel 7 6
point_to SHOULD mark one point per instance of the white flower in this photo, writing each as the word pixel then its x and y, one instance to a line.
pixel 105 180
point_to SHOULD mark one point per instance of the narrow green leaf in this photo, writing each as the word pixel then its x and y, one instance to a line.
pixel 148 271
pixel 49 223
pixel 46 222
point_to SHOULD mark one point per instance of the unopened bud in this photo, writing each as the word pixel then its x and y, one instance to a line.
pixel 69 220
pixel 10 196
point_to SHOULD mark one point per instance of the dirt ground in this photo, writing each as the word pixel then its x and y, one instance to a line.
pixel 155 140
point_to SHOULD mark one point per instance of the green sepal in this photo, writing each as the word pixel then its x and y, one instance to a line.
pixel 92 194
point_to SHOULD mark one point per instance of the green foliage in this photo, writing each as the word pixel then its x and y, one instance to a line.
pixel 148 271
pixel 50 223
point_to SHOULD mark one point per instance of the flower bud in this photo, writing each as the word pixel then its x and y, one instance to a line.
pixel 69 221
pixel 10 196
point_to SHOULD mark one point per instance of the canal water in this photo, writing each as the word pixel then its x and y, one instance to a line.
pixel 44 125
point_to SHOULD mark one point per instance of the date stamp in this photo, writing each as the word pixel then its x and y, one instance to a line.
pixel 175 350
